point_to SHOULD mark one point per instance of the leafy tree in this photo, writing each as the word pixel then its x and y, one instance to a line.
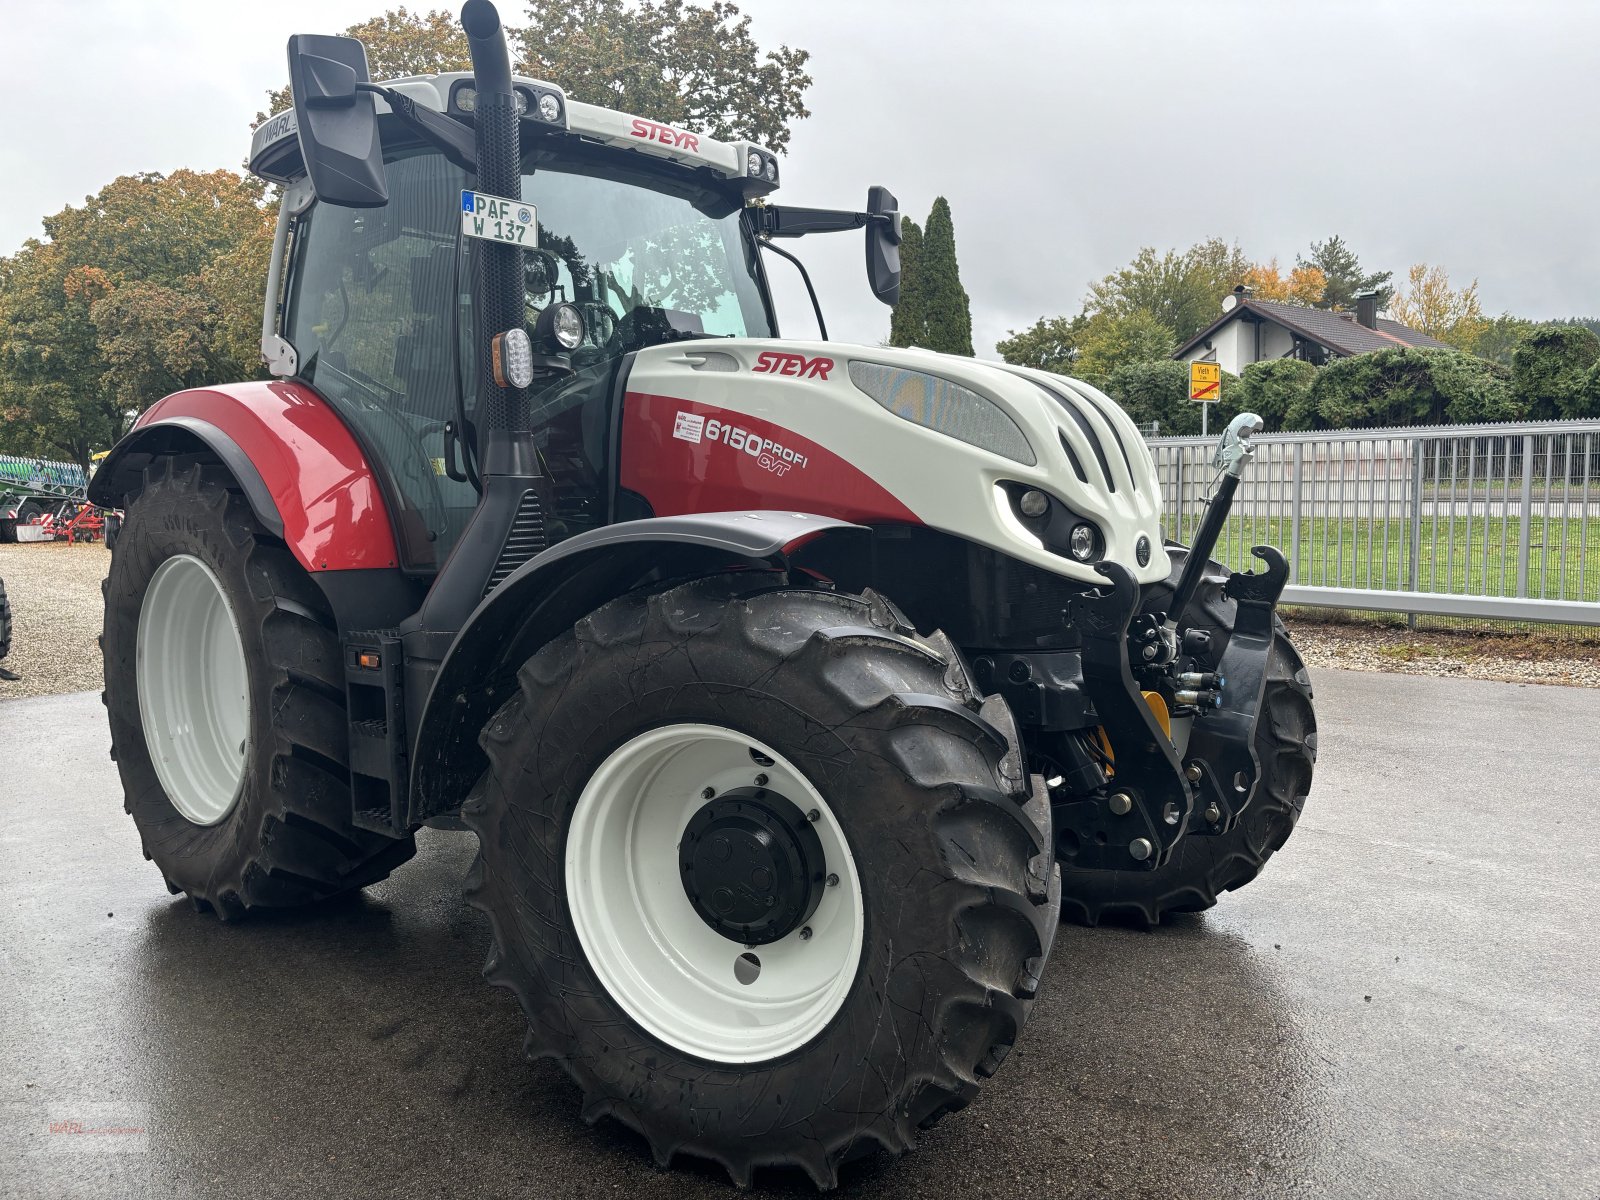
pixel 1411 386
pixel 1341 270
pixel 1109 341
pixel 138 293
pixel 1049 344
pixel 1550 371
pixel 1279 391
pixel 688 64
pixel 908 322
pixel 1183 291
pixel 1429 304
pixel 1498 338
pixel 1303 285
pixel 1158 391
pixel 677 61
pixel 947 310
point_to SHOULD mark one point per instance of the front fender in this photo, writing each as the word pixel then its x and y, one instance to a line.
pixel 546 596
pixel 302 471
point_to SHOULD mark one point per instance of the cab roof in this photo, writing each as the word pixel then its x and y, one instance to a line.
pixel 275 146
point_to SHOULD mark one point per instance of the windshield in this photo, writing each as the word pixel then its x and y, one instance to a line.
pixel 644 265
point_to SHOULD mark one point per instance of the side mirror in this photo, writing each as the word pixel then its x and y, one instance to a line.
pixel 338 122
pixel 883 244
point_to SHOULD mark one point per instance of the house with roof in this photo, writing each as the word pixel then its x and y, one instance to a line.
pixel 1250 330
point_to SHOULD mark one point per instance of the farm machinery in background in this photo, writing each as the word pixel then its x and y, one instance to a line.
pixel 43 501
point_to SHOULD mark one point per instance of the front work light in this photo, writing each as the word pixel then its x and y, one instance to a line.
pixel 1081 542
pixel 560 328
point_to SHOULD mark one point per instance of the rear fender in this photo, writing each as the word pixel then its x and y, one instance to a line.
pixel 551 592
pixel 302 471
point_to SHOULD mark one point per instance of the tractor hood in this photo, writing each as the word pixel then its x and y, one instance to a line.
pixel 878 434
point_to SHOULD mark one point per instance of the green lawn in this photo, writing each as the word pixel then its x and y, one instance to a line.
pixel 1479 555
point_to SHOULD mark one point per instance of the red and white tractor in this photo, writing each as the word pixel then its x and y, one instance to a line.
pixel 794 690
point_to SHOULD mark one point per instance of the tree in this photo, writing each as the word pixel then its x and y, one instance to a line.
pixel 908 323
pixel 1429 304
pixel 1411 386
pixel 1182 291
pixel 947 310
pixel 1158 391
pixel 1303 285
pixel 1049 344
pixel 1499 337
pixel 1279 391
pixel 1343 276
pixel 138 293
pixel 672 60
pixel 1109 341
pixel 1550 371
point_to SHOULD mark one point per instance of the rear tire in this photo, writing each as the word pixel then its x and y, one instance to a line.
pixel 947 856
pixel 283 836
pixel 5 621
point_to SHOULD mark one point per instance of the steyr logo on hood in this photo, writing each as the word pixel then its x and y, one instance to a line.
pixel 771 362
pixel 652 131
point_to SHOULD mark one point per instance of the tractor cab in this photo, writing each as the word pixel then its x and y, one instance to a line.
pixel 636 234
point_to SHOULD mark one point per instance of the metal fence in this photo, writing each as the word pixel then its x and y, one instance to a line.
pixel 1490 521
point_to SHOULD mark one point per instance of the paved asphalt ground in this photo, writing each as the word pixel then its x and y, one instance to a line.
pixel 1406 1004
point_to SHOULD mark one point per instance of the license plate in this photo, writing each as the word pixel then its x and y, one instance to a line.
pixel 496 219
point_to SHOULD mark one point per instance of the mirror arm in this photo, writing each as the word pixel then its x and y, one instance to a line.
pixel 453 139
pixel 784 221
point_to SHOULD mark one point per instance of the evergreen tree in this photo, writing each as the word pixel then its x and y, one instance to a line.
pixel 908 325
pixel 949 312
pixel 1342 269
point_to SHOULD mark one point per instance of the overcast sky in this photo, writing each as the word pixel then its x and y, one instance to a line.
pixel 1065 135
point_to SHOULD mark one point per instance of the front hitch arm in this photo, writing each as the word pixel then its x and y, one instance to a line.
pixel 1149 802
pixel 1222 743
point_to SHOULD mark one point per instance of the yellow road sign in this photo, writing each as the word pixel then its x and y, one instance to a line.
pixel 1205 382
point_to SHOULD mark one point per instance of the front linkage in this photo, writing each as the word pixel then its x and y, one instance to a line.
pixel 1143 795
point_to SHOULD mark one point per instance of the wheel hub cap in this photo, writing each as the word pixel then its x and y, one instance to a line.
pixel 752 866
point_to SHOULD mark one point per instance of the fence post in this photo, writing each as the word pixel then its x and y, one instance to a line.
pixel 1525 523
pixel 1294 512
pixel 1416 522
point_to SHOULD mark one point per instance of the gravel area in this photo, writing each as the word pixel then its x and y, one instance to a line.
pixel 1522 657
pixel 55 595
pixel 55 598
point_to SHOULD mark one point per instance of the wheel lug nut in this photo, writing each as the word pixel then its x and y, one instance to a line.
pixel 813 815
pixel 1120 803
pixel 761 781
pixel 708 793
pixel 833 880
pixel 805 933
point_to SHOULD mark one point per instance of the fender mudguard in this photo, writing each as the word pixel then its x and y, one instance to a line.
pixel 302 471
pixel 546 596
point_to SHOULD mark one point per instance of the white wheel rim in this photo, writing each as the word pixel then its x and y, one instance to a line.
pixel 673 974
pixel 193 689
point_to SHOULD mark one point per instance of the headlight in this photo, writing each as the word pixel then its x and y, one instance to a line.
pixel 772 170
pixel 1034 503
pixel 945 407
pixel 1081 542
pixel 549 108
pixel 559 327
pixel 754 164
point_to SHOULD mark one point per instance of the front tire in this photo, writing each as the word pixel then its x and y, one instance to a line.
pixel 931 938
pixel 226 700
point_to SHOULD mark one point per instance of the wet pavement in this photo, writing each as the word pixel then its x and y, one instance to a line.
pixel 1407 1003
